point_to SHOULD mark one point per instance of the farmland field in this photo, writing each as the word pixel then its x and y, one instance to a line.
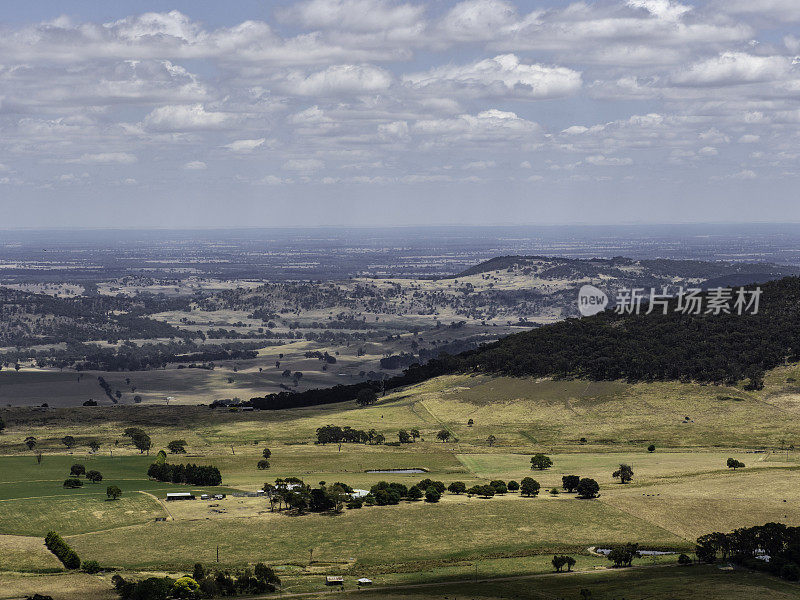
pixel 680 491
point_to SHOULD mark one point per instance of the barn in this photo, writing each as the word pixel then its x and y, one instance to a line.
pixel 179 496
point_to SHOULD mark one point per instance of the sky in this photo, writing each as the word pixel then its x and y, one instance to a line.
pixel 138 113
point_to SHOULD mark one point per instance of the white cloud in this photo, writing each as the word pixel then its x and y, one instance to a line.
pixel 476 20
pixel 106 158
pixel 749 139
pixel 734 68
pixel 356 15
pixel 245 146
pixel 663 9
pixel 337 79
pixel 303 164
pixel 195 165
pixel 479 164
pixel 186 117
pixel 501 76
pixel 608 161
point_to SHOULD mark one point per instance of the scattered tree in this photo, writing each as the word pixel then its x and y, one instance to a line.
pixel 68 441
pixel 491 440
pixel 94 476
pixel 570 482
pixel 443 435
pixel 624 473
pixel 651 448
pixel 529 487
pixel 266 453
pixel 263 464
pixel 113 492
pixel 588 488
pixel 735 464
pixel 94 445
pixel 513 486
pixel 77 470
pixel 541 461
pixel 432 495
pixel 30 442
pixel 457 487
pixel 177 447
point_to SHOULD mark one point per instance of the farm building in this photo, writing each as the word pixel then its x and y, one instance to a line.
pixel 180 496
pixel 334 580
pixel 359 493
pixel 364 581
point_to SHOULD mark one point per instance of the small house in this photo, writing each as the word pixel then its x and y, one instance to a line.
pixel 180 496
pixel 359 493
pixel 334 580
pixel 364 581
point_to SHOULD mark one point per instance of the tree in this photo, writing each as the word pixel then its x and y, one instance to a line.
pixel 177 447
pixel 651 448
pixel 432 495
pixel 624 473
pixel 414 493
pixel 541 461
pixel 562 560
pixel 366 397
pixel 491 440
pixel 265 573
pixel 683 559
pixel 588 488
pixel 266 453
pixel 404 436
pixel 499 486
pixel 142 443
pixel 30 442
pixel 414 434
pixel 77 470
pixel 72 483
pixel 263 464
pixel 113 492
pixel 529 487
pixel 68 441
pixel 457 487
pixel 94 476
pixel 570 482
pixel 2 425
pixel 513 486
pixel 622 556
pixel 186 587
pixel 94 445
pixel 735 464
pixel 443 435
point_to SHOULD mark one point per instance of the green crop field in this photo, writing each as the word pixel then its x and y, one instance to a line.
pixel 680 491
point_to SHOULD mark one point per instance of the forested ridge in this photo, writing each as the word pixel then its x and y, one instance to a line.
pixel 708 348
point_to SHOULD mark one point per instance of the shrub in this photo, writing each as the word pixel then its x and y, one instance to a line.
pixel 72 483
pixel 651 448
pixel 91 566
pixel 683 559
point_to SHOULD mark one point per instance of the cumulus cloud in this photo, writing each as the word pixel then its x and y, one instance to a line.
pixel 357 15
pixel 337 79
pixel 195 165
pixel 105 158
pixel 245 146
pixel 501 76
pixel 303 164
pixel 734 68
pixel 185 117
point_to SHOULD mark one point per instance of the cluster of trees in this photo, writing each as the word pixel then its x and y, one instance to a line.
pixel 76 471
pixel 191 474
pixel 777 545
pixel 263 464
pixel 562 560
pixel 202 583
pixel 622 556
pixel 293 493
pixel 333 434
pixel 62 551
